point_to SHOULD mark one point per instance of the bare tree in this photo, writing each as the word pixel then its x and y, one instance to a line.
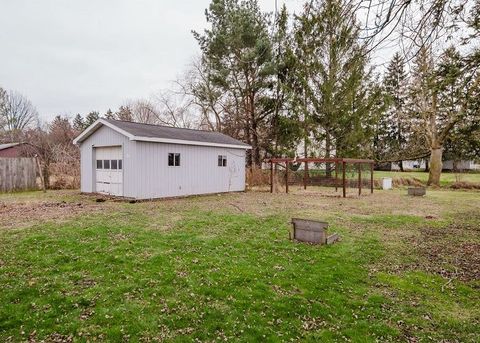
pixel 3 107
pixel 412 24
pixel 176 109
pixel 16 112
pixel 143 111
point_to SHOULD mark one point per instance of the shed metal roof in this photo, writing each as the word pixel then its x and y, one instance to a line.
pixel 164 134
pixel 8 145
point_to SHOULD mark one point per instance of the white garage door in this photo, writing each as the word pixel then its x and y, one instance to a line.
pixel 109 170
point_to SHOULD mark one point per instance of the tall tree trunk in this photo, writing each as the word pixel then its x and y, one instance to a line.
pixel 400 164
pixel 435 166
pixel 254 132
pixel 248 137
pixel 255 147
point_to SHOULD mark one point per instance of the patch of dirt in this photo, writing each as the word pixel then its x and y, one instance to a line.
pixel 18 214
pixel 448 253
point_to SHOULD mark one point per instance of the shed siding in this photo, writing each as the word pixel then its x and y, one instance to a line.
pixel 198 172
pixel 105 136
pixel 146 174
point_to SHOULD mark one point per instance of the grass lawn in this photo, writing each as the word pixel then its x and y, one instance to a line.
pixel 446 178
pixel 221 267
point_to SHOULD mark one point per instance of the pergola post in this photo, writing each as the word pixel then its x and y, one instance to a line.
pixel 344 180
pixel 271 176
pixel 359 179
pixel 336 176
pixel 305 175
pixel 286 176
pixel 371 178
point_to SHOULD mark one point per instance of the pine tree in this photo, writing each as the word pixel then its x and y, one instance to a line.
pixel 237 52
pixel 462 141
pixel 286 127
pixel 78 123
pixel 395 121
pixel 91 118
pixel 109 114
pixel 333 72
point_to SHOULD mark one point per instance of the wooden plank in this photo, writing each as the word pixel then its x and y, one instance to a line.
pixel 344 181
pixel 371 178
pixel 356 160
pixel 359 179
pixel 305 175
pixel 307 224
pixel 286 176
pixel 319 160
pixel 310 231
pixel 336 176
pixel 271 177
pixel 17 174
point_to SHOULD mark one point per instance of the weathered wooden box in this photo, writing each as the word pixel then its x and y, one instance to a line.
pixel 311 231
pixel 417 191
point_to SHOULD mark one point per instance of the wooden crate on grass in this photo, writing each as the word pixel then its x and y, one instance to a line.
pixel 311 231
pixel 417 191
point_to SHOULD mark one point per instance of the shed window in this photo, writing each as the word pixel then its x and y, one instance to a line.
pixel 106 164
pixel 99 164
pixel 222 160
pixel 173 159
pixel 113 164
pixel 120 164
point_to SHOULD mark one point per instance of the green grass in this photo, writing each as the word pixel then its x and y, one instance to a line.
pixel 446 178
pixel 200 269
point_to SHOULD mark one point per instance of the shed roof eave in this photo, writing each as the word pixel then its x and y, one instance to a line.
pixel 187 142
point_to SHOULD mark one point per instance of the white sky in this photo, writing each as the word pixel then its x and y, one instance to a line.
pixel 75 56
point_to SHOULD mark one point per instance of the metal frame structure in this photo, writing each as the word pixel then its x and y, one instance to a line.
pixel 338 161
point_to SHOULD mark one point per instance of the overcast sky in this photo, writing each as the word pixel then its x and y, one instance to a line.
pixel 75 56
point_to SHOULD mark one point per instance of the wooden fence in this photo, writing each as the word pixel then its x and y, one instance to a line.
pixel 18 174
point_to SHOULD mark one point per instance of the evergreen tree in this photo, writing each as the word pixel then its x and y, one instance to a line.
pixel 91 118
pixel 286 128
pixel 332 70
pixel 395 121
pixel 109 114
pixel 78 123
pixel 237 52
pixel 462 141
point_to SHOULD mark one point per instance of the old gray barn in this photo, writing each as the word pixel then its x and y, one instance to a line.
pixel 143 161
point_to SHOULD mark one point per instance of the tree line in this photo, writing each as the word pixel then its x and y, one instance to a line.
pixel 283 81
pixel 306 84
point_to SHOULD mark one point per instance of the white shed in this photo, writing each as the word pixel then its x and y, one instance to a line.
pixel 144 161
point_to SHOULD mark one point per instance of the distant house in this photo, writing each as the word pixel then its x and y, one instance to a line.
pixel 449 165
pixel 460 165
pixel 11 149
pixel 145 161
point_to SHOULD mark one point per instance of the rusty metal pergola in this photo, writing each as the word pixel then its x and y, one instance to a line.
pixel 337 161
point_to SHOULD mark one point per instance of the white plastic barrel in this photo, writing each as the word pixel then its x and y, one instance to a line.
pixel 386 182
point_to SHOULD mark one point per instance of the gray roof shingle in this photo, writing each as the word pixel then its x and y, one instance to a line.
pixel 167 132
